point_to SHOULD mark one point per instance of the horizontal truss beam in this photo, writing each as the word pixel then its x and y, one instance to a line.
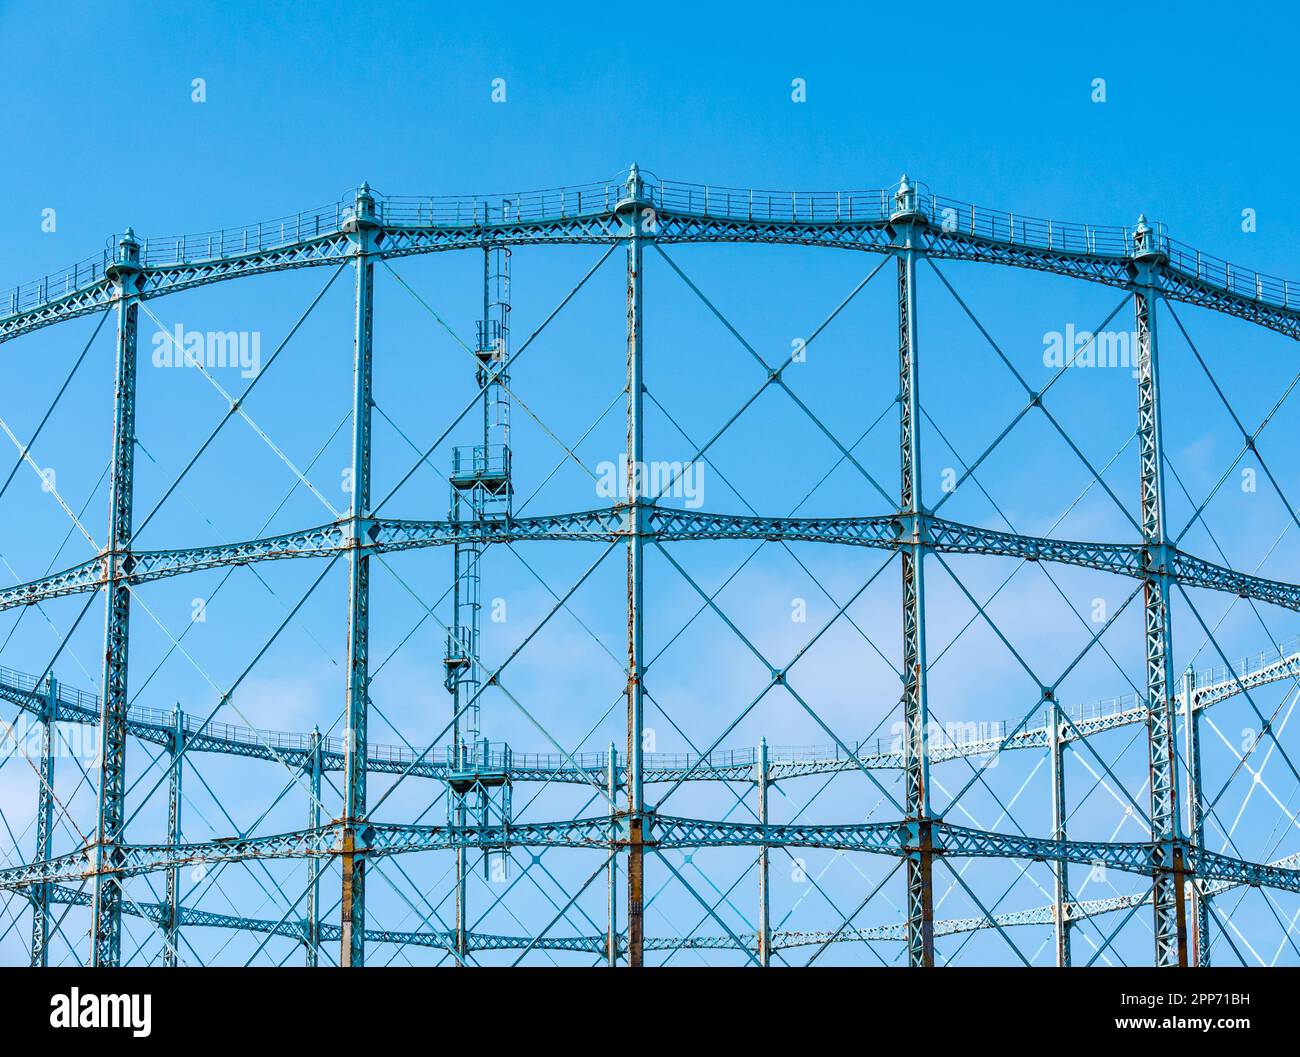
pixel 1108 256
pixel 885 532
pixel 662 832
pixel 781 939
pixel 854 220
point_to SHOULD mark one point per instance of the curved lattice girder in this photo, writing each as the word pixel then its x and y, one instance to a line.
pixel 905 224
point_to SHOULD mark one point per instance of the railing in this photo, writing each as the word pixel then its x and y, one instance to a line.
pixel 737 203
pixel 79 699
pixel 702 200
pixel 474 462
pixel 25 683
pixel 462 645
pixel 16 680
pixel 52 287
pixel 1103 709
pixel 1223 673
pixel 557 203
pixel 260 237
pixel 948 214
pixel 1241 281
pixel 500 756
pixel 951 215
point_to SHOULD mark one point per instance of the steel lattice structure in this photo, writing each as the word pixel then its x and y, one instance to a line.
pixel 637 215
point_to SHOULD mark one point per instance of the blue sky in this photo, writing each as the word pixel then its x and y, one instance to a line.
pixel 304 101
pixel 994 108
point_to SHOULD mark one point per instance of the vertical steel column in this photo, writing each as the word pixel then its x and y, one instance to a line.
pixel 1195 817
pixel 362 229
pixel 172 931
pixel 611 871
pixel 106 911
pixel 44 826
pixel 764 901
pixel 634 219
pixel 916 717
pixel 462 869
pixel 1061 887
pixel 314 770
pixel 1168 897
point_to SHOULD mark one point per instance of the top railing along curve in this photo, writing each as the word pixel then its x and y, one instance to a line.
pixel 671 197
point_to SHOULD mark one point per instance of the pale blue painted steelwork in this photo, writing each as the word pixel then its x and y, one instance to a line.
pixel 909 223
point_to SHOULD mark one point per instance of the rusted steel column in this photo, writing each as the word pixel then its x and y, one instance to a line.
pixel 638 217
pixel 1061 885
pixel 908 221
pixel 1195 818
pixel 764 895
pixel 1168 897
pixel 106 911
pixel 352 915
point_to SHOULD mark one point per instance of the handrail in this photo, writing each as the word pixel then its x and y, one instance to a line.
pixel 601 198
pixel 1221 681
